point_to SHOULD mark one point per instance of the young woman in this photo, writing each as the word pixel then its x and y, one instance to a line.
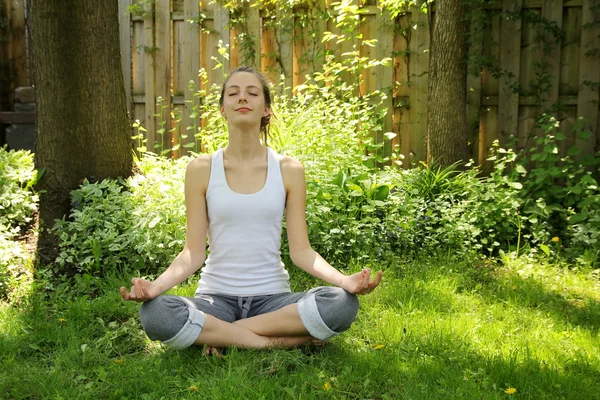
pixel 237 196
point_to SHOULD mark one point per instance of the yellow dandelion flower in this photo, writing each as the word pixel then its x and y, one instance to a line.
pixel 379 346
pixel 510 391
pixel 326 386
pixel 194 388
pixel 61 320
pixel 556 239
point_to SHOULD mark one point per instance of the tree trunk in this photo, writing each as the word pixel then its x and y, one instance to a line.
pixel 446 114
pixel 82 124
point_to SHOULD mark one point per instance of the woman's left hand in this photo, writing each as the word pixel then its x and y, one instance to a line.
pixel 361 283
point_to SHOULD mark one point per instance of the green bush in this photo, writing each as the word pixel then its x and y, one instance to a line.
pixel 18 204
pixel 125 226
pixel 17 176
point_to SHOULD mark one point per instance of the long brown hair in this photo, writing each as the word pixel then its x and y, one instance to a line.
pixel 264 121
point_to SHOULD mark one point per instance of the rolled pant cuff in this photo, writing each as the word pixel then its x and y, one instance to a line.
pixel 314 324
pixel 190 331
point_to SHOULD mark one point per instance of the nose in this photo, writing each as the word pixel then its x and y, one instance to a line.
pixel 242 98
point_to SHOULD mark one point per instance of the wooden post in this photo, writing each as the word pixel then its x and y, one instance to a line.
pixel 510 49
pixel 254 28
pixel 419 82
pixel 191 60
pixel 163 70
pixel 125 40
pixel 221 21
pixel 474 87
pixel 384 74
pixel 589 75
pixel 149 89
pixel 552 10
pixel 285 40
pixel 17 42
pixel 402 94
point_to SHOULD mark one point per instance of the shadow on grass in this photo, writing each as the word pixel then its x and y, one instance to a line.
pixel 569 307
pixel 437 288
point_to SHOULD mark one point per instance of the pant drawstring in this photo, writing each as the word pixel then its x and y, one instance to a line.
pixel 245 305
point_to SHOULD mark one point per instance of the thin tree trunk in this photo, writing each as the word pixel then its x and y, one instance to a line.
pixel 446 115
pixel 82 124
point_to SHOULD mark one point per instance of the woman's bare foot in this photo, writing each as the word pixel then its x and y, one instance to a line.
pixel 213 351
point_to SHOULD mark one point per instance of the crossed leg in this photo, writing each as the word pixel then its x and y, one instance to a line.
pixel 286 320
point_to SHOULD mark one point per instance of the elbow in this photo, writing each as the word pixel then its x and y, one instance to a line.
pixel 298 256
pixel 195 258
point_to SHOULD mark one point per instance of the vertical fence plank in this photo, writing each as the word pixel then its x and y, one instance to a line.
pixel 149 79
pixel 552 10
pixel 220 22
pixel 191 67
pixel 510 46
pixel 17 40
pixel 254 32
pixel 474 86
pixel 163 69
pixel 367 30
pixel 268 63
pixel 529 68
pixel 419 80
pixel 125 45
pixel 383 75
pixel 284 38
pixel 402 89
pixel 589 75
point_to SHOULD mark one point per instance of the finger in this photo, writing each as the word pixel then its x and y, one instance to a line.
pixel 379 276
pixel 366 277
pixel 138 289
pixel 124 294
pixel 132 293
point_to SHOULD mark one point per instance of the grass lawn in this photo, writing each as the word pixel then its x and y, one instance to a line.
pixel 434 330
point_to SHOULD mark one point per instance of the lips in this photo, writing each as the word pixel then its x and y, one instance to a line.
pixel 243 109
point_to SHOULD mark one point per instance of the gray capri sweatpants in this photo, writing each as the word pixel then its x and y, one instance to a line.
pixel 177 321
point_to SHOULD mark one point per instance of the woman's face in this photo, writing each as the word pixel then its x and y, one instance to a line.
pixel 243 100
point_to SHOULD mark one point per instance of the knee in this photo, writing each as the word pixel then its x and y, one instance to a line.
pixel 163 317
pixel 338 308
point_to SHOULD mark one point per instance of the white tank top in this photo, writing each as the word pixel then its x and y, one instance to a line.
pixel 244 235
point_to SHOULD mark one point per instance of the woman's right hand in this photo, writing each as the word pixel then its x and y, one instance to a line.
pixel 141 290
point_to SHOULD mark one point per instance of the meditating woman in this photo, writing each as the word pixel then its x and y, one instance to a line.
pixel 237 196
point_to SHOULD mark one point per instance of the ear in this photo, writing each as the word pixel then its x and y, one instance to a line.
pixel 222 110
pixel 267 111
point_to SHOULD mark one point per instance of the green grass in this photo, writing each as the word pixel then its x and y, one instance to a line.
pixel 433 330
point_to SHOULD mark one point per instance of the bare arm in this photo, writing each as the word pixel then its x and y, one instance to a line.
pixel 301 252
pixel 191 258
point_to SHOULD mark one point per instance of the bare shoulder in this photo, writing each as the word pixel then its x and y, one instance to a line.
pixel 290 165
pixel 292 172
pixel 198 170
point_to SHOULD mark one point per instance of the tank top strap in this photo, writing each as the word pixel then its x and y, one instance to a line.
pixel 217 171
pixel 274 170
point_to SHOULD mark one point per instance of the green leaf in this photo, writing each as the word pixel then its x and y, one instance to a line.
pixel 576 218
pixel 573 151
pixel 545 249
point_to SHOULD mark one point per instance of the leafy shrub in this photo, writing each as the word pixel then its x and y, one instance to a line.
pixel 17 176
pixel 133 225
pixel 18 203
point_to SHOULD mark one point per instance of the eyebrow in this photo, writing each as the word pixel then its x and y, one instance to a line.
pixel 237 87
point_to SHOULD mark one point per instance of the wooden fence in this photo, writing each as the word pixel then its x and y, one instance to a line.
pixel 162 52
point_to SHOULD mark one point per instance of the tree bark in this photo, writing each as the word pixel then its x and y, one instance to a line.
pixel 447 135
pixel 82 127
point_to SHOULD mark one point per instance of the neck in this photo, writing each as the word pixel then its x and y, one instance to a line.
pixel 244 145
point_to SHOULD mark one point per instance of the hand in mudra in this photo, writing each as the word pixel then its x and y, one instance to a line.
pixel 361 283
pixel 141 290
